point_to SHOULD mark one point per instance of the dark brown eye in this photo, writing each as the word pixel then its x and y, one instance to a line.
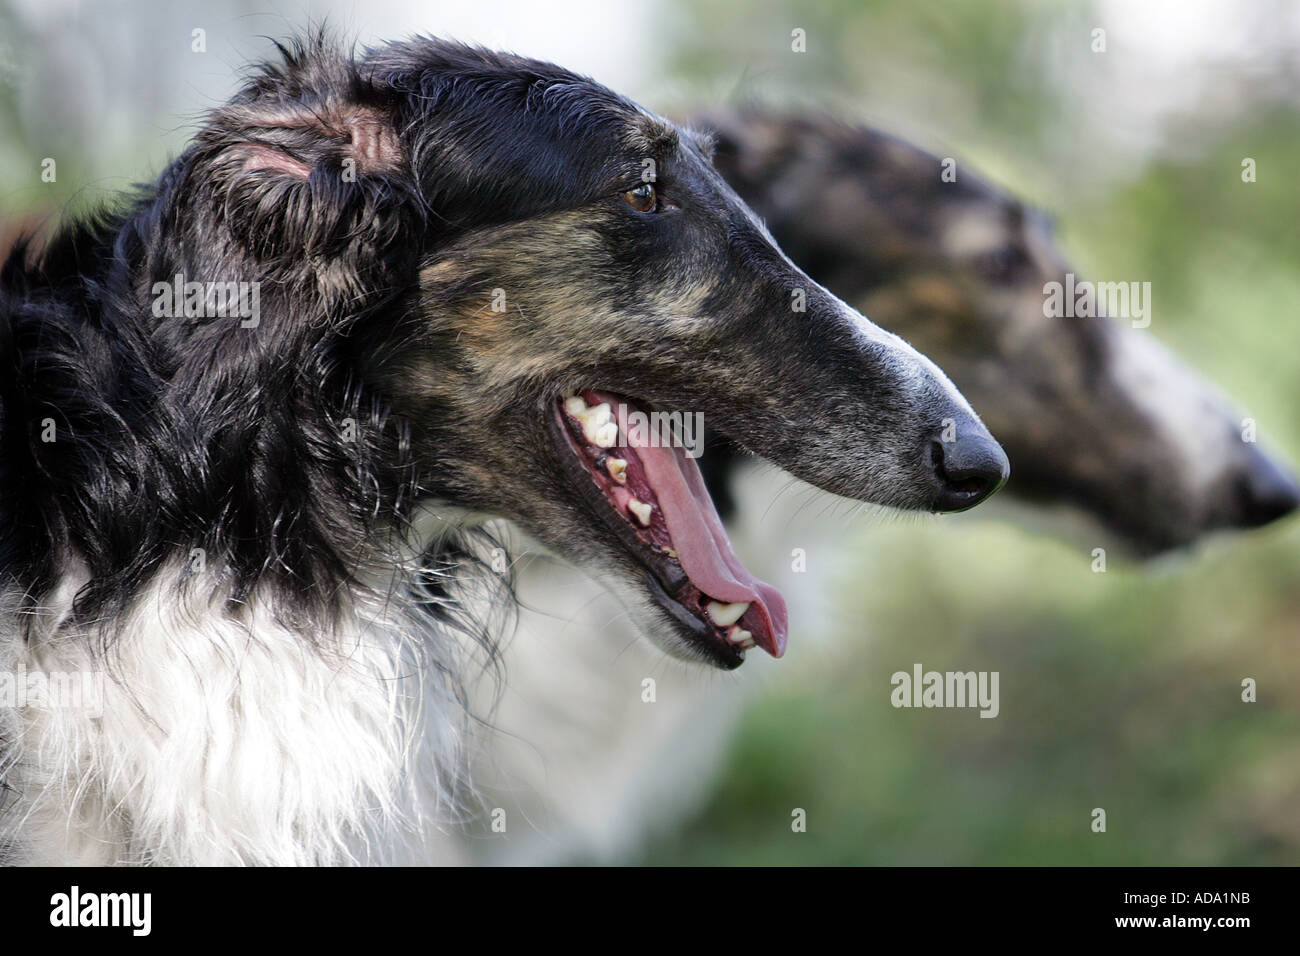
pixel 643 198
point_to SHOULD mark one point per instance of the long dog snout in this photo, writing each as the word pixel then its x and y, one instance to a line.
pixel 918 442
pixel 963 464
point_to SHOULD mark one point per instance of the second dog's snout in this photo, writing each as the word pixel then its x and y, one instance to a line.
pixel 968 467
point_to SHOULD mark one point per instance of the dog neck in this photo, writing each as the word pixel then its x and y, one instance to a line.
pixel 218 733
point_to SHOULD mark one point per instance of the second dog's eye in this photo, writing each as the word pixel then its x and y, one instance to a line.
pixel 643 198
pixel 1005 265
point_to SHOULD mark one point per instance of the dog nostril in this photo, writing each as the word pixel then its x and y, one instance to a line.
pixel 1265 493
pixel 968 471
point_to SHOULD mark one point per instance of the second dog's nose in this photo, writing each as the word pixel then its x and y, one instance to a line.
pixel 1265 491
pixel 968 468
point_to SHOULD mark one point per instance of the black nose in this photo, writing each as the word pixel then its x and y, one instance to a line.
pixel 968 467
pixel 1265 491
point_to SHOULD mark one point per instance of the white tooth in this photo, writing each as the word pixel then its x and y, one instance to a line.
pixel 641 510
pixel 738 635
pixel 598 425
pixel 725 615
pixel 617 469
pixel 604 436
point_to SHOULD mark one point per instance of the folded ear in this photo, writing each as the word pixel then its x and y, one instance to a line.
pixel 310 178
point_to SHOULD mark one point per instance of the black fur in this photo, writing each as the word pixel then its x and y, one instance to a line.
pixel 180 434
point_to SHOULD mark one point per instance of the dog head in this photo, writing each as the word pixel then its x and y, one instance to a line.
pixel 531 269
pixel 1094 412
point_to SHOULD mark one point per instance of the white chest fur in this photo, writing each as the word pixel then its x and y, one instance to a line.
pixel 227 737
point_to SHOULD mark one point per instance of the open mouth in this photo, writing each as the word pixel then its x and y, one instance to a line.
pixel 645 486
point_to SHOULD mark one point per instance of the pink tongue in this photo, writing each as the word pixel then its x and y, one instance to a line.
pixel 701 542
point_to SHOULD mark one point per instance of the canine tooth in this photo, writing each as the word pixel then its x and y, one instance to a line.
pixel 575 406
pixel 603 436
pixel 738 635
pixel 724 615
pixel 641 510
pixel 617 469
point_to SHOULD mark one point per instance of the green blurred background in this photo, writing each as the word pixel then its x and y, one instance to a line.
pixel 1119 690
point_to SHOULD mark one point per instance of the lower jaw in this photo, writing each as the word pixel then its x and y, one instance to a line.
pixel 702 640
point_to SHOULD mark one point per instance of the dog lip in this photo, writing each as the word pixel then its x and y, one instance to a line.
pixel 726 656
